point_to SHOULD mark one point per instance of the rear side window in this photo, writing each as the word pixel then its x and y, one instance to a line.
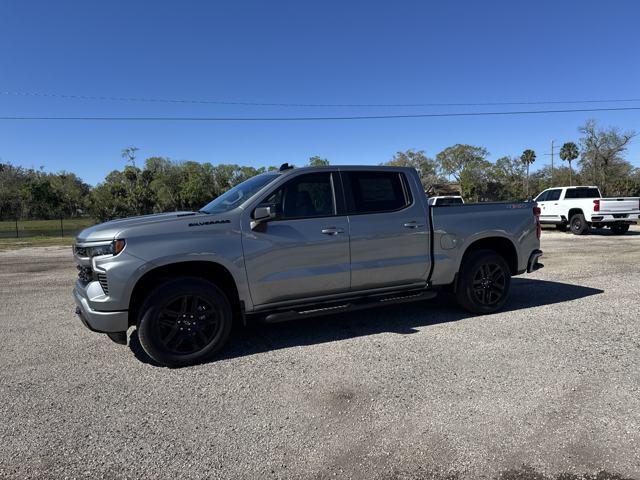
pixel 553 194
pixel 376 192
pixel 582 193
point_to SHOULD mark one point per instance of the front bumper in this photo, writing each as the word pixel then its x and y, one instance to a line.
pixel 533 264
pixel 97 321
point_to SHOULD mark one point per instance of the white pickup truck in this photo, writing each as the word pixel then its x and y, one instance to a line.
pixel 581 208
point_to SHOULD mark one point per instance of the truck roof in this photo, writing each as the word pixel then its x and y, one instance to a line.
pixel 344 167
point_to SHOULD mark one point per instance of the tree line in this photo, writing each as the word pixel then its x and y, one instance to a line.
pixel 162 184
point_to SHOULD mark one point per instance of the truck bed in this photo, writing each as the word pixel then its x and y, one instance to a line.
pixel 457 226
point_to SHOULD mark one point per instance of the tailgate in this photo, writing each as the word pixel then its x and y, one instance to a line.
pixel 626 205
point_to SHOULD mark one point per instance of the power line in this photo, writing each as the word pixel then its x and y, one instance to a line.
pixel 296 119
pixel 327 105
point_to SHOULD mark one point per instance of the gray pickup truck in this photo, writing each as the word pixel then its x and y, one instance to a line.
pixel 293 244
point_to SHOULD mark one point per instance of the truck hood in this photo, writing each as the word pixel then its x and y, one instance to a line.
pixel 108 230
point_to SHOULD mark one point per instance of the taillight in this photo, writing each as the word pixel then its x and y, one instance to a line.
pixel 536 214
pixel 596 205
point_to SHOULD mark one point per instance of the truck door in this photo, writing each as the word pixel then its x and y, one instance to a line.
pixel 304 251
pixel 541 201
pixel 553 209
pixel 388 230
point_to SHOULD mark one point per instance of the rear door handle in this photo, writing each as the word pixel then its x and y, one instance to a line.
pixel 413 224
pixel 332 231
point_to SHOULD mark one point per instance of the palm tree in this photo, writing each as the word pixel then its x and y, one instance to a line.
pixel 569 152
pixel 527 158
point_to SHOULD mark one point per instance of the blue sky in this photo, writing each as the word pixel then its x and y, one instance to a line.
pixel 306 52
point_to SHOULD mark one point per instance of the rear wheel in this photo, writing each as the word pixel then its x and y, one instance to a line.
pixel 184 321
pixel 619 228
pixel 484 282
pixel 579 225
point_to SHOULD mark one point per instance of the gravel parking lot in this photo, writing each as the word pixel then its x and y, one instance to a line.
pixel 550 386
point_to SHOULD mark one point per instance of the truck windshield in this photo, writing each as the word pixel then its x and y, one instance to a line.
pixel 238 194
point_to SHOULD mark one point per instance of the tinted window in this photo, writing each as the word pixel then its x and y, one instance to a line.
pixel 305 196
pixel 553 194
pixel 373 192
pixel 449 201
pixel 582 193
pixel 542 197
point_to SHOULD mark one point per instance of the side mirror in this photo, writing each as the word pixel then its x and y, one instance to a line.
pixel 263 214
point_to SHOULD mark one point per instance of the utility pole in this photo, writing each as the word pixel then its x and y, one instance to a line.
pixel 552 167
pixel 552 142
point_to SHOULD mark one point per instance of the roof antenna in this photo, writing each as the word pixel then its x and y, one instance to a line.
pixel 285 166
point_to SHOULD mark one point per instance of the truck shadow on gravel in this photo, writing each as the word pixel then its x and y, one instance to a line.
pixel 402 319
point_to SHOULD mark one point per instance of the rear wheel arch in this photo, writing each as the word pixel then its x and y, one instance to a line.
pixel 500 245
pixel 206 270
pixel 575 211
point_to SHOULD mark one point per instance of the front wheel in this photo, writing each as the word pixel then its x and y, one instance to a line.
pixel 184 321
pixel 619 228
pixel 484 282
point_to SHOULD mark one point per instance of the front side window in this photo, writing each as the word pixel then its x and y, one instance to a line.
pixel 305 196
pixel 553 195
pixel 542 197
pixel 376 192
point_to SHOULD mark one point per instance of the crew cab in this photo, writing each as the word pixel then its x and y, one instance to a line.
pixel 582 207
pixel 293 244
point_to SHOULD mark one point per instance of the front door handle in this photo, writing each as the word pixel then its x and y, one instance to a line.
pixel 413 224
pixel 332 230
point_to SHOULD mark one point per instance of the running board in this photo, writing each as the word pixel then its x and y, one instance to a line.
pixel 348 305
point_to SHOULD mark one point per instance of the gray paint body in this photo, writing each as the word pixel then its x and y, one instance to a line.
pixel 292 261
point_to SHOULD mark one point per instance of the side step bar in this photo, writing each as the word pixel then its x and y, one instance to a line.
pixel 348 305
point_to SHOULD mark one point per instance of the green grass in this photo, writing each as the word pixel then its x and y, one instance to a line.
pixel 44 228
pixel 15 243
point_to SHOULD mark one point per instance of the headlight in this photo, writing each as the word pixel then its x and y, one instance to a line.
pixel 113 248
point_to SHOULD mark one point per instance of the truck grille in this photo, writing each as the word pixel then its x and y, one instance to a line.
pixel 85 274
pixel 102 278
pixel 81 251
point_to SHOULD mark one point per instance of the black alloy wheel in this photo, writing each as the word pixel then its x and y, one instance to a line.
pixel 579 225
pixel 184 321
pixel 484 282
pixel 489 283
pixel 187 324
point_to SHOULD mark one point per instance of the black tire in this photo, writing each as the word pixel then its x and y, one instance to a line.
pixel 619 228
pixel 579 225
pixel 184 321
pixel 484 282
pixel 562 227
